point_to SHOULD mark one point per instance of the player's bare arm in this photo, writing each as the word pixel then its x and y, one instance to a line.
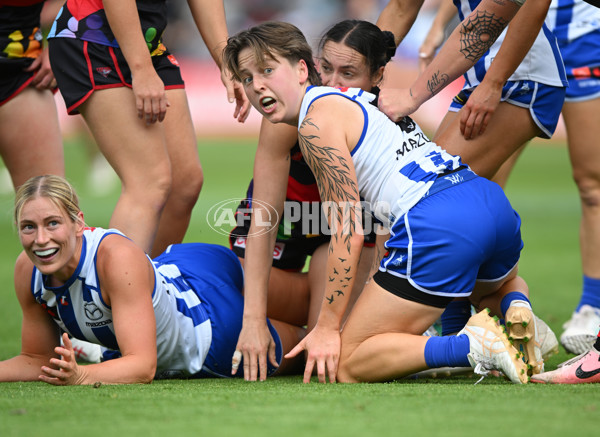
pixel 467 43
pixel 149 89
pixel 398 17
pixel 271 169
pixel 324 142
pixel 520 36
pixel 39 333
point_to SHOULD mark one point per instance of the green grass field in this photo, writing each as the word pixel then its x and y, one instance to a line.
pixel 541 190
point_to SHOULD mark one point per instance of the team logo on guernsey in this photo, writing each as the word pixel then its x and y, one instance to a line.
pixel 454 179
pixel 104 71
pixel 92 312
pixel 407 124
pixel 398 261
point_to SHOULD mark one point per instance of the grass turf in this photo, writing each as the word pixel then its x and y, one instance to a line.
pixel 540 189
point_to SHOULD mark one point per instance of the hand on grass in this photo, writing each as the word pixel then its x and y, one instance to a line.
pixel 65 371
pixel 323 349
pixel 255 344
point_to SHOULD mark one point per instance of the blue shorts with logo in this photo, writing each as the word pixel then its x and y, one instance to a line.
pixel 582 64
pixel 543 101
pixel 215 274
pixel 464 230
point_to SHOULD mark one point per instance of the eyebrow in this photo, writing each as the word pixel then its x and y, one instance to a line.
pixel 347 66
pixel 51 217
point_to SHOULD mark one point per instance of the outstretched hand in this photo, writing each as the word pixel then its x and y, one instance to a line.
pixel 65 370
pixel 235 93
pixel 323 349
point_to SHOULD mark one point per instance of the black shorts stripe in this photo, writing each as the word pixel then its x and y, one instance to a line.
pixel 404 289
pixel 82 67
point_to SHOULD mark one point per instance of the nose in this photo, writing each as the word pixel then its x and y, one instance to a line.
pixel 328 79
pixel 257 83
pixel 336 80
pixel 41 236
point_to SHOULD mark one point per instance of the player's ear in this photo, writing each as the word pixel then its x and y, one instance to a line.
pixel 80 223
pixel 302 71
pixel 377 77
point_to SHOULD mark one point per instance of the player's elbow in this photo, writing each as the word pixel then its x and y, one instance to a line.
pixel 147 376
pixel 146 371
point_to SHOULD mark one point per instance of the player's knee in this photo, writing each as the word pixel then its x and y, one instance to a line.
pixel 589 191
pixel 153 191
pixel 187 184
pixel 344 373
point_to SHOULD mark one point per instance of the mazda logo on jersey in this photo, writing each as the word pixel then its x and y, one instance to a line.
pixel 92 312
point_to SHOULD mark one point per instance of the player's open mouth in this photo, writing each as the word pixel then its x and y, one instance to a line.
pixel 45 254
pixel 267 102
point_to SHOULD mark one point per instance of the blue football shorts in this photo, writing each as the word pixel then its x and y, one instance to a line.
pixel 582 63
pixel 543 101
pixel 450 239
pixel 215 274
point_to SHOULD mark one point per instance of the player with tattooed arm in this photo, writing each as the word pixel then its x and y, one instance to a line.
pixel 483 23
pixel 453 233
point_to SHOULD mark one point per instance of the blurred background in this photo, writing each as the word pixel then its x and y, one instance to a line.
pixel 210 109
pixel 212 114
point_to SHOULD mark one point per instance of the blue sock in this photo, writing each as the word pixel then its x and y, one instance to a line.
pixel 455 316
pixel 509 298
pixel 591 293
pixel 449 351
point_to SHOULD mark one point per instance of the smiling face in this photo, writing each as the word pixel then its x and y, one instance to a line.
pixel 51 240
pixel 275 87
pixel 342 66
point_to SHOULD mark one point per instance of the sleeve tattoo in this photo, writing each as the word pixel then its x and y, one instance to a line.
pixel 335 182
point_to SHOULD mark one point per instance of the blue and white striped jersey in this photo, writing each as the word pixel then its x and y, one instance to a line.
pixel 395 164
pixel 571 19
pixel 543 62
pixel 183 330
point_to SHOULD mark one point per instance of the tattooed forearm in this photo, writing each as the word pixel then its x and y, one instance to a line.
pixel 479 32
pixel 437 82
pixel 334 180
